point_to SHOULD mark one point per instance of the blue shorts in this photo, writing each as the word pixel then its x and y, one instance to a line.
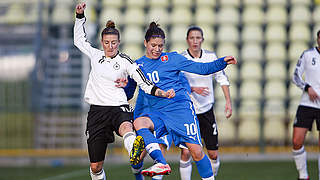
pixel 179 120
pixel 160 131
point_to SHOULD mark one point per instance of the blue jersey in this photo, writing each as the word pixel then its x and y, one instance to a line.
pixel 175 116
pixel 142 106
pixel 164 72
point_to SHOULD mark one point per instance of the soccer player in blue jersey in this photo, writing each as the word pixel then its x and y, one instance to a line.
pixel 177 114
pixel 142 107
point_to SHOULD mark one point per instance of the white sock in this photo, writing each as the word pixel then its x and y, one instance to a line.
pixel 128 140
pixel 98 176
pixel 215 166
pixel 157 177
pixel 185 169
pixel 300 158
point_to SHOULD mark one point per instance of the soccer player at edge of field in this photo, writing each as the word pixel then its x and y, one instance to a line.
pixel 177 114
pixel 309 107
pixel 202 96
pixel 109 108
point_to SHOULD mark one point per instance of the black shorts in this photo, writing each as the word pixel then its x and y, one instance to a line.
pixel 209 129
pixel 305 117
pixel 102 121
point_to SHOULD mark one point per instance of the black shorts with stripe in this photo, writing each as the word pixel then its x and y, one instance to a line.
pixel 305 117
pixel 209 129
pixel 102 121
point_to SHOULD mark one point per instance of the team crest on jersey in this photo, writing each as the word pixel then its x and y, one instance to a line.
pixel 164 58
pixel 116 66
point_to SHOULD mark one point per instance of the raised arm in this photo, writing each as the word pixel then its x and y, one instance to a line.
pixel 184 64
pixel 79 35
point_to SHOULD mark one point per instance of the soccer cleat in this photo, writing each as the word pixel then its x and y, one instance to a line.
pixel 157 169
pixel 137 149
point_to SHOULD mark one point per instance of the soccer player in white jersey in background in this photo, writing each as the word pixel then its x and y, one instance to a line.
pixel 109 109
pixel 309 107
pixel 202 96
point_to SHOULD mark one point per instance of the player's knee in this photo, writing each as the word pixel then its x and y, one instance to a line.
pixel 142 122
pixel 297 143
pixel 213 156
pixel 197 154
pixel 125 127
pixel 185 154
pixel 95 167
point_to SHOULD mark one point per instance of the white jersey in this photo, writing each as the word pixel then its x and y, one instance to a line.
pixel 204 103
pixel 101 89
pixel 309 64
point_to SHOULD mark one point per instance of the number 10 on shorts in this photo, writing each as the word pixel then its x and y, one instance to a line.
pixel 191 129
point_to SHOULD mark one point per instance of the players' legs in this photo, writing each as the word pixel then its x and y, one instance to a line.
pixel 209 133
pixel 298 152
pixel 144 127
pixel 96 171
pixel 185 164
pixel 128 135
pixel 215 161
pixel 202 161
pixel 97 150
pixel 163 150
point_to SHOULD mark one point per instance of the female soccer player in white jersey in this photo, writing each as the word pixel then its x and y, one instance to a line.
pixel 309 107
pixel 109 109
pixel 202 96
pixel 176 114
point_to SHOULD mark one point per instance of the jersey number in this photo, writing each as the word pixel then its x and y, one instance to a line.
pixel 191 129
pixel 214 126
pixel 154 76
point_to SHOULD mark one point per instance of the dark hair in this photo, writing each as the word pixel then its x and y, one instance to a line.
pixel 318 33
pixel 110 29
pixel 154 31
pixel 194 28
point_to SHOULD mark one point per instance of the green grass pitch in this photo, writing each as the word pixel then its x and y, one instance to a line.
pixel 271 170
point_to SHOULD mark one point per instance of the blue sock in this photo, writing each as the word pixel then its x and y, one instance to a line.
pixel 136 169
pixel 151 145
pixel 204 167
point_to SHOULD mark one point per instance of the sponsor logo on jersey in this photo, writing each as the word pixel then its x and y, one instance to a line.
pixel 164 58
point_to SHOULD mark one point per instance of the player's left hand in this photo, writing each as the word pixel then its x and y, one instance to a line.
pixel 170 93
pixel 230 60
pixel 228 110
pixel 121 82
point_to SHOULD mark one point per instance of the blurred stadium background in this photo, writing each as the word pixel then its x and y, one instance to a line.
pixel 43 76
